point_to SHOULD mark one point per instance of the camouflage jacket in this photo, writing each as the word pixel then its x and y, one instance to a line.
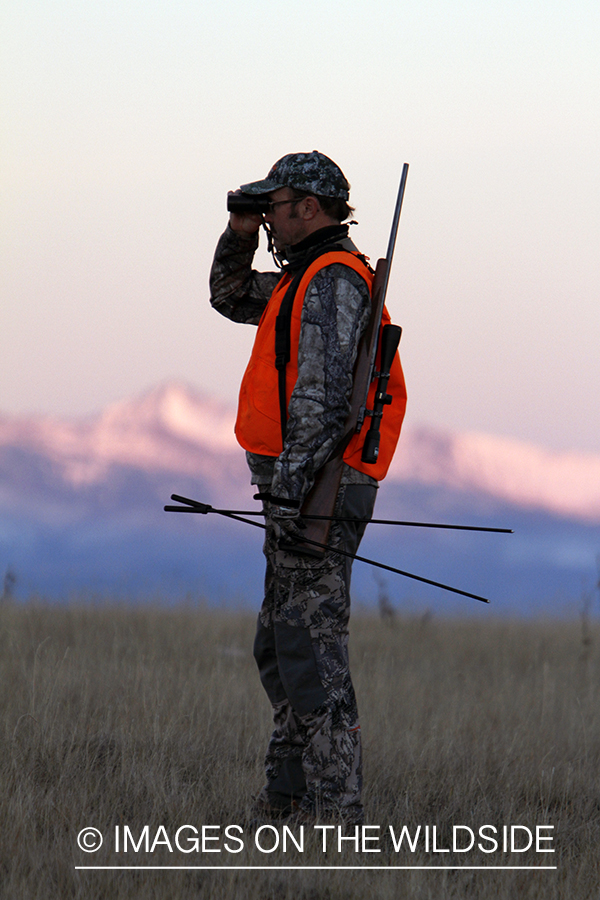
pixel 334 315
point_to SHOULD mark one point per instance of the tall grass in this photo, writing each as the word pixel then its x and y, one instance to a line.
pixel 117 716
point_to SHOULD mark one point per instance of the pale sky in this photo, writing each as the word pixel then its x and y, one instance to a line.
pixel 124 123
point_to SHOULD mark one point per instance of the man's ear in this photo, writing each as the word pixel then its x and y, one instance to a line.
pixel 311 208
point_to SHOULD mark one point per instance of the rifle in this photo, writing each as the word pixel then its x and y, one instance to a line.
pixel 320 501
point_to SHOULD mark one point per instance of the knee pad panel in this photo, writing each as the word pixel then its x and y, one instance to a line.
pixel 298 668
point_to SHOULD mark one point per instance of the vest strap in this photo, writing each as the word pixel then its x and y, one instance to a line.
pixel 283 343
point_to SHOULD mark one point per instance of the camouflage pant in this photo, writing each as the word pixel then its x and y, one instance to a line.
pixel 301 649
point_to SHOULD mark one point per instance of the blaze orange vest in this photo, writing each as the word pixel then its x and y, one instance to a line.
pixel 258 425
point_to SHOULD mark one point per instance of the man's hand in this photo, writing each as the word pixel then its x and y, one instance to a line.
pixel 247 224
pixel 287 524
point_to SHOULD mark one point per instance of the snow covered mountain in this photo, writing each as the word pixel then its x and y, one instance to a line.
pixel 567 484
pixel 168 428
pixel 81 504
pixel 173 428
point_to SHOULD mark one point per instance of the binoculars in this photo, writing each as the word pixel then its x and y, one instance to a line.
pixel 243 204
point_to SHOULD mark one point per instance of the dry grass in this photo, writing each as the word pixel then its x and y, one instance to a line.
pixel 117 716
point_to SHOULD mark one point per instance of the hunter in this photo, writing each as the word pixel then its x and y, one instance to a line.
pixel 319 304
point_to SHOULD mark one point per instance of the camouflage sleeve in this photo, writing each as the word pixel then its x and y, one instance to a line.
pixel 335 313
pixel 236 290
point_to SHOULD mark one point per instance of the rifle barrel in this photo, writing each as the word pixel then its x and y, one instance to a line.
pixel 394 229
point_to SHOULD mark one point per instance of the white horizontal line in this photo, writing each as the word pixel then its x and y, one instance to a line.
pixel 320 868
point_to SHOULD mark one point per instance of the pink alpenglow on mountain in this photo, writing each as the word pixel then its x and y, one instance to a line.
pixel 567 484
pixel 174 428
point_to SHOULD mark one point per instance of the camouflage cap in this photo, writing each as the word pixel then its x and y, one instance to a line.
pixel 313 173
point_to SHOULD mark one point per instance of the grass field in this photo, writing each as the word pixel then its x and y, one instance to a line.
pixel 118 717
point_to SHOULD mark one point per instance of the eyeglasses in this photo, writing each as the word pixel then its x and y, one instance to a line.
pixel 273 203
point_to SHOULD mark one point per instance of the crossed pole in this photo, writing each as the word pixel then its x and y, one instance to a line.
pixel 195 506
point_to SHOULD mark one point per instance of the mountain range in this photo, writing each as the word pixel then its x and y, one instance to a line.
pixel 81 511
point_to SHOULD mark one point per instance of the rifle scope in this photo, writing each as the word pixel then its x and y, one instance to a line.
pixel 390 338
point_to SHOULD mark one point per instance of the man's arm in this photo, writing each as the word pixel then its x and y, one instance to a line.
pixel 335 313
pixel 236 290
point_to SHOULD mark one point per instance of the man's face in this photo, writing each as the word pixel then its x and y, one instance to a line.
pixel 287 226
